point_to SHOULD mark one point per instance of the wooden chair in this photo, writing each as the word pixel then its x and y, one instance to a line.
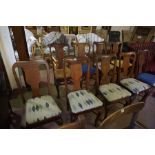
pixel 80 100
pixel 123 118
pixel 106 86
pixel 126 74
pixel 116 48
pixel 83 50
pixel 57 61
pixel 39 109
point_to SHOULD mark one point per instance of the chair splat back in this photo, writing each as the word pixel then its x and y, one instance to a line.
pixel 59 53
pixel 100 47
pixel 81 47
pixel 116 48
pixel 76 74
pixel 127 65
pixel 75 66
pixel 32 75
pixel 108 70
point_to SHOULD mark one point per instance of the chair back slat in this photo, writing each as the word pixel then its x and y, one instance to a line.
pixel 32 75
pixel 81 47
pixel 59 48
pixel 75 66
pixel 108 68
pixel 100 47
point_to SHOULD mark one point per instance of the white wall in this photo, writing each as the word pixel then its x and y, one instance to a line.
pixel 7 53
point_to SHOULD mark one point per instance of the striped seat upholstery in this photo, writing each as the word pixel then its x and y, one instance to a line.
pixel 134 85
pixel 38 109
pixel 83 100
pixel 113 92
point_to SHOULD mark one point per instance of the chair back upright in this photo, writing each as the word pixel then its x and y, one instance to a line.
pixel 116 48
pixel 81 48
pixel 108 70
pixel 75 66
pixel 100 47
pixel 31 71
pixel 59 48
pixel 126 65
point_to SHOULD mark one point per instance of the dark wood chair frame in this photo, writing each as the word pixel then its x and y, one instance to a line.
pixel 32 77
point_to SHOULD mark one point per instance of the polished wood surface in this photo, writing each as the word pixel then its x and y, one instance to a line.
pixel 123 118
pixel 127 65
pixel 75 66
pixel 20 41
pixel 81 49
pixel 116 48
pixel 100 48
pixel 106 69
pixel 32 75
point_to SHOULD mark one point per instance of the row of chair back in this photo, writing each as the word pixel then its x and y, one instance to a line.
pixel 75 66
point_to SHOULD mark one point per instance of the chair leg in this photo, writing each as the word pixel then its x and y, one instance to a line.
pixel 68 106
pixel 100 112
pixel 97 118
pixel 106 111
pixel 57 88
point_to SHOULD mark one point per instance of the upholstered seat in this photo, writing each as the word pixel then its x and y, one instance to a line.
pixel 59 73
pixel 134 85
pixel 113 92
pixel 148 78
pixel 83 100
pixel 38 109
